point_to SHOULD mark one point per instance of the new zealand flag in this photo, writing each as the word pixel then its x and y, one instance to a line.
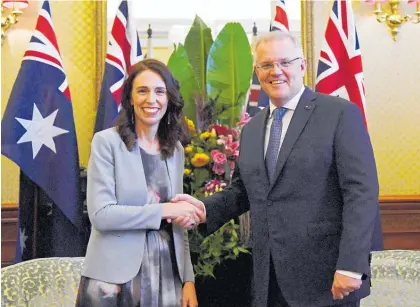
pixel 38 134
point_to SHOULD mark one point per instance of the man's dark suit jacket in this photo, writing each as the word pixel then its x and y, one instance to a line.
pixel 318 216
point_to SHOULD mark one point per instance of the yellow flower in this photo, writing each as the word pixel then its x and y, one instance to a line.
pixel 188 149
pixel 191 125
pixel 205 135
pixel 200 159
pixel 213 133
pixel 187 172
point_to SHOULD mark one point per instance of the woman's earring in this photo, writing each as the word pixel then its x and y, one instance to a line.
pixel 169 120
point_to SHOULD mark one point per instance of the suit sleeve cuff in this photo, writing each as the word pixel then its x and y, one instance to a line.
pixel 350 274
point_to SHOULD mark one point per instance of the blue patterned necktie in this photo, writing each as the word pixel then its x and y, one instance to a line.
pixel 274 142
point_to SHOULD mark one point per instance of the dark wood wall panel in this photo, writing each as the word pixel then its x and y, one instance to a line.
pixel 9 217
pixel 400 217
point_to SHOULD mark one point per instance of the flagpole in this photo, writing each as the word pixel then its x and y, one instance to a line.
pixel 35 230
pixel 149 43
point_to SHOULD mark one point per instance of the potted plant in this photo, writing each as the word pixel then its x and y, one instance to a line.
pixel 214 78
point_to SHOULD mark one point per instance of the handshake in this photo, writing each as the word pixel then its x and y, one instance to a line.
pixel 184 210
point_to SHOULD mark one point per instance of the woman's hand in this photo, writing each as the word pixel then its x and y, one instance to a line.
pixel 186 214
pixel 193 201
pixel 189 296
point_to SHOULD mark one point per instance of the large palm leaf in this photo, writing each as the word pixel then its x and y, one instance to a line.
pixel 181 68
pixel 197 45
pixel 229 71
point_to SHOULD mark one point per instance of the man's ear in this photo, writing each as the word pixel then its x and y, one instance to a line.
pixel 303 66
pixel 257 73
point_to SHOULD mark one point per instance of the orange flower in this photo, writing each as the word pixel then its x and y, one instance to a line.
pixel 187 172
pixel 188 149
pixel 200 159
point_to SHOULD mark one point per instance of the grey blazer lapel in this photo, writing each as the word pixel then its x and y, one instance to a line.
pixel 135 167
pixel 172 171
pixel 173 164
pixel 300 117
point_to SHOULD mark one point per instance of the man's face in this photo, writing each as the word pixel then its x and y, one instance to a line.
pixel 280 68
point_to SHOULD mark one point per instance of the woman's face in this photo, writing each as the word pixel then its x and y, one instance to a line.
pixel 149 98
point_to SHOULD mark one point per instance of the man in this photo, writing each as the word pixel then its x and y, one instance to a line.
pixel 306 172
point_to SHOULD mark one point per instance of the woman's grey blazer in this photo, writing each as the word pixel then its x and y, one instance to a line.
pixel 120 216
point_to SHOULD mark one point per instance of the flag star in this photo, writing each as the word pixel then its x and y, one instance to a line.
pixel 22 239
pixel 40 131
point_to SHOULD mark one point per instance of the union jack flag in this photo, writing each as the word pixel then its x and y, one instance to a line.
pixel 257 98
pixel 340 70
pixel 38 134
pixel 123 52
pixel 279 17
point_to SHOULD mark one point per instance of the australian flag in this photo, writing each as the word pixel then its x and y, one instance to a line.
pixel 123 51
pixel 38 134
pixel 257 98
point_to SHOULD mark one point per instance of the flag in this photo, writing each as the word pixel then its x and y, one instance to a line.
pixel 279 20
pixel 340 70
pixel 123 51
pixel 257 98
pixel 38 134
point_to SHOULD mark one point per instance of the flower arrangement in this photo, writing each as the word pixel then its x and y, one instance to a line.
pixel 210 159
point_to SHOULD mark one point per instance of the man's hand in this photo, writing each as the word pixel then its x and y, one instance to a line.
pixel 194 201
pixel 189 296
pixel 344 285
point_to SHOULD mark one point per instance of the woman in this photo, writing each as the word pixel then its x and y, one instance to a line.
pixel 134 257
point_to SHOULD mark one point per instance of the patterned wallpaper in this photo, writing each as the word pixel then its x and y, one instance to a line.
pixel 392 78
pixel 75 26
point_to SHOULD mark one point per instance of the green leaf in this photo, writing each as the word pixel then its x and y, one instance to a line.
pixel 180 67
pixel 197 45
pixel 201 175
pixel 229 71
pixel 236 251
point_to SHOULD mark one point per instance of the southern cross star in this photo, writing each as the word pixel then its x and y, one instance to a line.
pixel 40 131
pixel 22 239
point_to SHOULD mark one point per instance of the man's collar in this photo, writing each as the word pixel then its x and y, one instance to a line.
pixel 291 104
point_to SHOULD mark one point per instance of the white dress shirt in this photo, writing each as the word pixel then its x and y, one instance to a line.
pixel 291 107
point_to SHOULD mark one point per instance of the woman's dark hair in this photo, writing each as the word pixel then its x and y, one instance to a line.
pixel 172 126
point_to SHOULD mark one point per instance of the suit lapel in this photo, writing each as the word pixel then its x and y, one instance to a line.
pixel 260 135
pixel 300 117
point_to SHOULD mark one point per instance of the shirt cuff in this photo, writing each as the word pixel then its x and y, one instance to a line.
pixel 350 274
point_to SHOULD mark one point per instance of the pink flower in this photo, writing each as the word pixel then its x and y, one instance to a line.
pixel 214 184
pixel 218 156
pixel 231 147
pixel 231 164
pixel 244 119
pixel 218 169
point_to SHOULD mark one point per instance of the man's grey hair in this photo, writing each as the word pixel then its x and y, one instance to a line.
pixel 277 35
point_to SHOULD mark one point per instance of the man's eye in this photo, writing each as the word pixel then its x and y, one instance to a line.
pixel 268 65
